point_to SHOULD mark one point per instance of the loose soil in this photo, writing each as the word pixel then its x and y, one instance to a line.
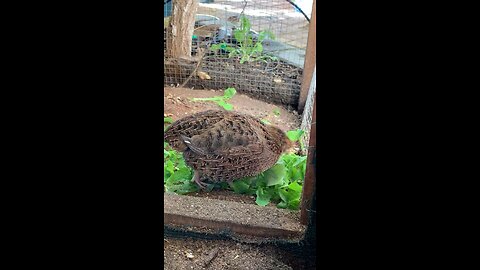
pixel 177 104
pixel 180 254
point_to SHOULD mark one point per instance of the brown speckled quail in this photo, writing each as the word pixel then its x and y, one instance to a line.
pixel 223 146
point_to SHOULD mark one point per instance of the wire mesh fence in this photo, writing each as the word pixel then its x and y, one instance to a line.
pixel 256 46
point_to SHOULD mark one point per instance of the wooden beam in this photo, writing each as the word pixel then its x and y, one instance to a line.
pixel 310 59
pixel 310 173
pixel 197 213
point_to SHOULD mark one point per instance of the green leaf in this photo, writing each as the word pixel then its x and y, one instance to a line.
pixel 225 105
pixel 275 175
pixel 183 173
pixel 229 93
pixel 239 35
pixel 263 198
pixel 170 166
pixel 230 50
pixel 295 187
pixel 282 205
pixel 261 181
pixel 215 47
pixel 258 48
pixel 182 189
pixel 245 23
pixel 232 53
pixel 265 122
pixel 294 204
pixel 240 186
pixel 300 160
pixel 243 59
pixel 287 194
pixel 223 185
pixel 228 106
pixel 167 120
pixel 264 34
pixel 294 135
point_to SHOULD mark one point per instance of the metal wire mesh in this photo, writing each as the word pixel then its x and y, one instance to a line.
pixel 273 73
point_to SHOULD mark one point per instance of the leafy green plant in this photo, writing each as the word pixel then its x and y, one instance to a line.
pixel 281 184
pixel 221 100
pixel 166 121
pixel 176 174
pixel 248 49
pixel 295 136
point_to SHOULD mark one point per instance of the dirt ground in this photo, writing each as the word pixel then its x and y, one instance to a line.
pixel 226 195
pixel 182 254
pixel 177 104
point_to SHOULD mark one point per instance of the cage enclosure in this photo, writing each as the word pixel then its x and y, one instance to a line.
pixel 248 57
pixel 257 47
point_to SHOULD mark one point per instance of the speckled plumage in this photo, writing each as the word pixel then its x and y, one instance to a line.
pixel 224 146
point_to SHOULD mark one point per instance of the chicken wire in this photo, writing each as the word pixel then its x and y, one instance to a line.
pixel 277 79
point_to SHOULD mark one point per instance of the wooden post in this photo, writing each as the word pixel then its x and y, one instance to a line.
pixel 310 59
pixel 180 29
pixel 310 173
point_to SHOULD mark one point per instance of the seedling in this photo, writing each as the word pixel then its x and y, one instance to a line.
pixel 295 135
pixel 248 49
pixel 221 100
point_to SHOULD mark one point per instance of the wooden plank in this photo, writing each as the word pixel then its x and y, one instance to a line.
pixel 310 59
pixel 239 218
pixel 310 173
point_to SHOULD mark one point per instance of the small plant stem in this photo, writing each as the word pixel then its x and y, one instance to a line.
pixel 207 99
pixel 195 70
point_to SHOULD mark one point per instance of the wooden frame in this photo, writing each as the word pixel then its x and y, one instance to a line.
pixel 189 222
pixel 310 59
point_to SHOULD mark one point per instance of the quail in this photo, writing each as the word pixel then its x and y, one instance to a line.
pixel 222 146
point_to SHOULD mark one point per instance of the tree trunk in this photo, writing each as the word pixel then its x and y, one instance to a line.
pixel 180 29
